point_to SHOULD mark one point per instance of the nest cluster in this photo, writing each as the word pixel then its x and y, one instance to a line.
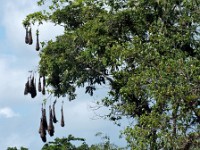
pixel 30 86
pixel 29 38
pixel 49 127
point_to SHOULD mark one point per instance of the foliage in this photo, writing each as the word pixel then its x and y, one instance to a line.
pixel 105 144
pixel 71 142
pixel 67 143
pixel 147 52
pixel 14 148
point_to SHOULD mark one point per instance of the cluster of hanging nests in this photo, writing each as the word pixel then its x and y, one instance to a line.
pixel 29 38
pixel 30 88
pixel 44 126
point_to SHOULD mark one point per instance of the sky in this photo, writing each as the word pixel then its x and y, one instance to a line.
pixel 19 114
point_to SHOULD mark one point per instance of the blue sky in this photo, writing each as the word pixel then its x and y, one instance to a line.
pixel 19 114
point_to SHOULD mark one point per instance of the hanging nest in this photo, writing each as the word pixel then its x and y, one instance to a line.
pixel 37 41
pixel 30 39
pixel 26 37
pixel 27 88
pixel 33 91
pixel 44 84
pixel 39 85
pixel 62 123
pixel 42 131
pixel 43 125
pixel 54 113
pixel 51 126
pixel 44 119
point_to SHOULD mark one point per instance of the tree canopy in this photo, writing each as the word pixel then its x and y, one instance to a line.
pixel 71 143
pixel 14 148
pixel 147 51
pixel 67 143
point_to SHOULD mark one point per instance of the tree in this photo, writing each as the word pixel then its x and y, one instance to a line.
pixel 14 148
pixel 67 143
pixel 105 144
pixel 147 52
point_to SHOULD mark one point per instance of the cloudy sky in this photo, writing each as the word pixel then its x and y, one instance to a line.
pixel 19 114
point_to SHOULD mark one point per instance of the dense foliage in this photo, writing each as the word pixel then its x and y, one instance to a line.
pixel 74 143
pixel 15 148
pixel 147 51
pixel 68 143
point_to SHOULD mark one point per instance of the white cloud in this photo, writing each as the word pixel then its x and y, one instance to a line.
pixel 7 112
